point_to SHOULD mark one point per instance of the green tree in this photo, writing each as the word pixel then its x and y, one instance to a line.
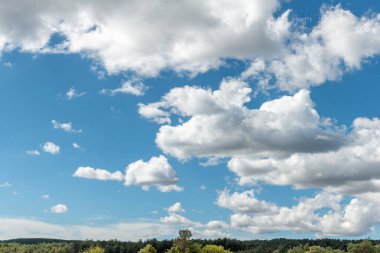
pixel 148 249
pixel 183 241
pixel 95 249
pixel 363 247
pixel 214 249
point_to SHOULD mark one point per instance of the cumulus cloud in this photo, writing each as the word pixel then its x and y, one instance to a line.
pixel 175 208
pixel 32 152
pixel 50 147
pixel 244 202
pixel 338 44
pixel 153 112
pixel 76 145
pixel 72 93
pixel 59 209
pixel 353 219
pixel 156 172
pixel 98 174
pixel 67 127
pixel 221 125
pixel 353 169
pixel 128 36
pixel 176 219
pixel 128 87
pixel 268 143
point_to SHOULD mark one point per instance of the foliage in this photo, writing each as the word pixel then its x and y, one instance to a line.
pixel 148 249
pixel 95 249
pixel 183 241
pixel 193 246
pixel 214 249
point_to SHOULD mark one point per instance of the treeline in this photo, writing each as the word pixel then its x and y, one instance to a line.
pixel 163 246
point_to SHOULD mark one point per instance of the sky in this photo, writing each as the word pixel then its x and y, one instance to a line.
pixel 248 119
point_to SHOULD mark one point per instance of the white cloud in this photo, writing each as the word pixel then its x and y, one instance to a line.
pixel 76 145
pixel 98 174
pixel 51 148
pixel 156 172
pixel 176 219
pixel 27 228
pixel 353 169
pixel 307 217
pixel 59 209
pixel 175 208
pixel 128 87
pixel 72 93
pixel 154 113
pixel 338 44
pixel 32 152
pixel 67 127
pixel 128 36
pixel 217 225
pixel 221 125
pixel 211 161
pixel 5 185
pixel 244 202
pixel 147 37
pixel 45 197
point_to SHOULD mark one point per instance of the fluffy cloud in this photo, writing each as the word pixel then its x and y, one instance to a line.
pixel 154 113
pixel 220 124
pixel 212 229
pixel 129 35
pixel 283 142
pixel 244 202
pixel 67 127
pixel 51 148
pixel 76 145
pixel 324 214
pixel 156 172
pixel 175 208
pixel 176 219
pixel 59 209
pixel 353 169
pixel 128 87
pixel 339 43
pixel 99 174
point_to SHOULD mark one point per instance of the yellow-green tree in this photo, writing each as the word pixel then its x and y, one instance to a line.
pixel 214 249
pixel 94 250
pixel 363 247
pixel 148 249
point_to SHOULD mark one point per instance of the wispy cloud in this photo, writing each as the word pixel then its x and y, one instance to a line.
pixel 45 197
pixel 135 88
pixel 5 185
pixel 72 93
pixel 32 152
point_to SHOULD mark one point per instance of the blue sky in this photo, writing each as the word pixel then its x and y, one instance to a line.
pixel 129 120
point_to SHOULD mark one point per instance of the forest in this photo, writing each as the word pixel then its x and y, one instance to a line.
pixel 184 244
